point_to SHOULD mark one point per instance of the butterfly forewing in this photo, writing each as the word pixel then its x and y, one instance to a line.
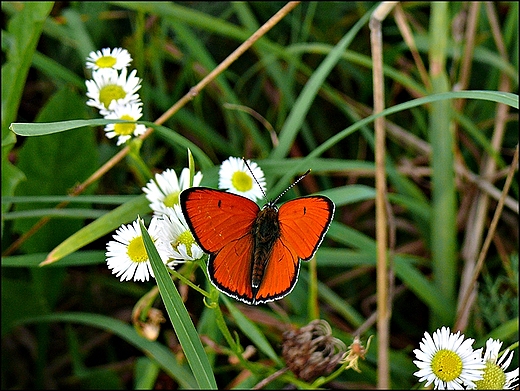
pixel 216 217
pixel 304 222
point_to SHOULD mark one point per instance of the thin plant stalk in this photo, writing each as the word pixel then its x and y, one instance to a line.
pixel 383 314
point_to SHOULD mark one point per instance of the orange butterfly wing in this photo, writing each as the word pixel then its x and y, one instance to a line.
pixel 221 224
pixel 303 224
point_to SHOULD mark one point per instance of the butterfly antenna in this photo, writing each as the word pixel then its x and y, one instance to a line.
pixel 290 187
pixel 256 180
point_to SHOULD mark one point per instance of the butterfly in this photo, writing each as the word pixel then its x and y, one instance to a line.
pixel 254 254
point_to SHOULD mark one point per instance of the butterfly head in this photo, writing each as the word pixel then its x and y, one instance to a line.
pixel 271 204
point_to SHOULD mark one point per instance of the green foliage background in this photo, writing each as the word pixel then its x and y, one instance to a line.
pixel 69 324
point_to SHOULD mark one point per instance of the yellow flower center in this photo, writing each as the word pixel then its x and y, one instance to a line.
pixel 494 378
pixel 124 129
pixel 106 62
pixel 446 365
pixel 242 181
pixel 136 250
pixel 185 238
pixel 111 92
pixel 172 199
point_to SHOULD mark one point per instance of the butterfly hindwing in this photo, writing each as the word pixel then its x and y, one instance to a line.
pixel 281 273
pixel 230 269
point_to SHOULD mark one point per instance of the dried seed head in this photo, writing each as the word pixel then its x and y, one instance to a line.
pixel 312 351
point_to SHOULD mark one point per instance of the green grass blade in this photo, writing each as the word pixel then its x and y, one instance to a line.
pixel 442 141
pixel 42 129
pixel 105 224
pixel 303 164
pixel 79 258
pixel 181 321
pixel 302 105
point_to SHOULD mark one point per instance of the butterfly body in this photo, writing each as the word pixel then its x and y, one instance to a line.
pixel 255 253
pixel 266 230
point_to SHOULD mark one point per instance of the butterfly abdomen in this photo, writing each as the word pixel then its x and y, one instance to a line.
pixel 266 231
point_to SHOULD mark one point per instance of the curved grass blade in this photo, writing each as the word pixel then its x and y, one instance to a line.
pixel 302 105
pixel 106 223
pixel 44 128
pixel 79 258
pixel 506 98
pixel 181 321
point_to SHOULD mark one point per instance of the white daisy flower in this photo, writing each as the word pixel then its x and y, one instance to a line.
pixel 235 177
pixel 177 241
pixel 117 58
pixel 127 256
pixel 109 89
pixel 448 360
pixel 163 193
pixel 495 375
pixel 131 112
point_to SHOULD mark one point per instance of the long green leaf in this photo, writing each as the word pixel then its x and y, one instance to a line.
pixel 105 224
pixel 442 140
pixel 181 321
pixel 79 258
pixel 506 98
pixel 42 129
pixel 309 92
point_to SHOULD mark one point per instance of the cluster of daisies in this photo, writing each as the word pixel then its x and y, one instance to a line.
pixel 114 92
pixel 449 362
pixel 126 255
